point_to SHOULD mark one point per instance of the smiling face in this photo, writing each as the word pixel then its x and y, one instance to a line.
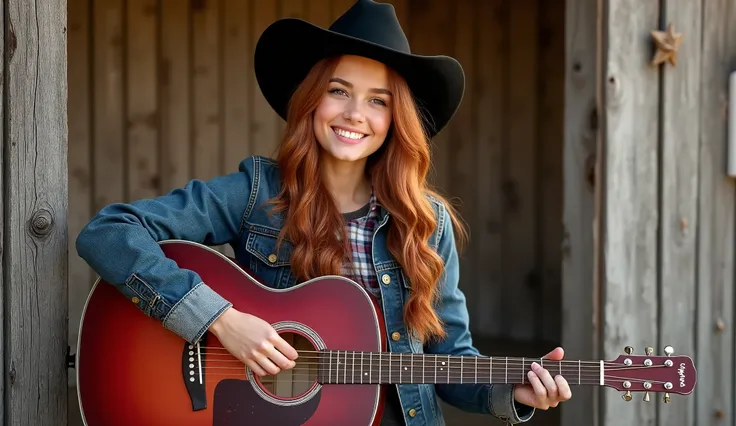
pixel 354 115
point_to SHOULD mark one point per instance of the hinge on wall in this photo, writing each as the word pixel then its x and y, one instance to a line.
pixel 71 359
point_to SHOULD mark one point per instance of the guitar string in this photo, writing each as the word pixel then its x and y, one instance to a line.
pixel 439 362
pixel 570 374
pixel 408 360
pixel 609 381
pixel 440 358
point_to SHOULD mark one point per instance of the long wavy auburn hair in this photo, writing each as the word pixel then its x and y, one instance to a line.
pixel 316 228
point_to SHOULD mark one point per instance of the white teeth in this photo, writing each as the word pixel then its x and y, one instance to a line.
pixel 350 135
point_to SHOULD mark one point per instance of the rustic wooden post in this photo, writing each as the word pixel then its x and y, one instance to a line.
pixel 715 395
pixel 34 204
pixel 580 291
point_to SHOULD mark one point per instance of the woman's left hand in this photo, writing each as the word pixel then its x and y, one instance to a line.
pixel 543 391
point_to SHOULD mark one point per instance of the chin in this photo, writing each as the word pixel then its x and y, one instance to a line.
pixel 340 155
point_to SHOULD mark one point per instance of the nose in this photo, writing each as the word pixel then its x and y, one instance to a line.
pixel 353 113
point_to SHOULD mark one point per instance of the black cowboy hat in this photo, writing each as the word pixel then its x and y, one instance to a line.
pixel 289 47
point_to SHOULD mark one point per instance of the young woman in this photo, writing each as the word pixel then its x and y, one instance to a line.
pixel 346 195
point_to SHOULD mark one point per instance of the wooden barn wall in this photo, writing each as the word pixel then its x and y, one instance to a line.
pixel 667 206
pixel 163 92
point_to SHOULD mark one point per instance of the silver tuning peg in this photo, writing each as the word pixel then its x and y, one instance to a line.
pixel 649 350
pixel 626 396
pixel 646 396
pixel 666 397
pixel 629 350
pixel 669 350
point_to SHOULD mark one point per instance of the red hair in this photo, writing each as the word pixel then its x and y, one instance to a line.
pixel 402 163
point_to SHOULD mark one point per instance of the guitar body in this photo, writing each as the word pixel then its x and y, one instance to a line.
pixel 132 371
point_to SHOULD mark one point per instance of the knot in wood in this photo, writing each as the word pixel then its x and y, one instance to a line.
pixel 41 223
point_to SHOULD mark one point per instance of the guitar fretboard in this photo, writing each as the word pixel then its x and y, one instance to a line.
pixel 349 367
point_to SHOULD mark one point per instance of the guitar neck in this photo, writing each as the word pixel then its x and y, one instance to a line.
pixel 349 367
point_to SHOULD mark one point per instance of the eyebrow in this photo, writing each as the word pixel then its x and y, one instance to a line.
pixel 350 85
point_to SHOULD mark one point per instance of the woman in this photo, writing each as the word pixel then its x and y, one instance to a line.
pixel 346 195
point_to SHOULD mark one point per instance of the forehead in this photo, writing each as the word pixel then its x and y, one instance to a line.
pixel 361 71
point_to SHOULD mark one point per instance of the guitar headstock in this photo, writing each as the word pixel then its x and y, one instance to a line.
pixel 651 373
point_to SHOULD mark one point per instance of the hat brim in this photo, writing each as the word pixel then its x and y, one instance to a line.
pixel 288 48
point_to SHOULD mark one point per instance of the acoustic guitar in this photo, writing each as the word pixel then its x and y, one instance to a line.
pixel 132 371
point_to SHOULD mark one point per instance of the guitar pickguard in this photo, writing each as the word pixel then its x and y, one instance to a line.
pixel 237 403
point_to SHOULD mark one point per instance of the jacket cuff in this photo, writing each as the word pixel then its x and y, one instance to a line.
pixel 195 312
pixel 502 405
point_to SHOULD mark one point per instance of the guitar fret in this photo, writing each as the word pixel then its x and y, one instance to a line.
pixel 370 367
pixel 476 369
pixel 401 367
pixel 522 370
pixel 448 368
pixel 411 372
pixel 423 376
pixel 461 370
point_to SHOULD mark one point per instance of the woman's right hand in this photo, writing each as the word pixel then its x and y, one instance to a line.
pixel 253 341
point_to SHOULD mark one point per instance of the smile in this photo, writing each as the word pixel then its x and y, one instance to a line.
pixel 348 135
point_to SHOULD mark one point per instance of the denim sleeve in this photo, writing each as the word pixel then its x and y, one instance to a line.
pixel 496 399
pixel 121 245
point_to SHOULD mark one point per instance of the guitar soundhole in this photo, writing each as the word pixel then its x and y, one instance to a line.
pixel 295 382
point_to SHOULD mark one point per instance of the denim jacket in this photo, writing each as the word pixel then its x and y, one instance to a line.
pixel 121 244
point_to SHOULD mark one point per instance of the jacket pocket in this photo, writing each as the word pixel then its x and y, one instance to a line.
pixel 271 264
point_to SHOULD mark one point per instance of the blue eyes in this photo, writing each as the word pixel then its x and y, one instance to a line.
pixel 341 92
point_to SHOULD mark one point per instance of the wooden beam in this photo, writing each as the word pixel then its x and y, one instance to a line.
pixel 629 210
pixel 35 207
pixel 678 175
pixel 580 328
pixel 3 184
pixel 714 393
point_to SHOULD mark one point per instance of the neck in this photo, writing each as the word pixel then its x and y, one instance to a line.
pixel 347 182
pixel 350 367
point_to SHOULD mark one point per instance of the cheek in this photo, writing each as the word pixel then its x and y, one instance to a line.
pixel 380 123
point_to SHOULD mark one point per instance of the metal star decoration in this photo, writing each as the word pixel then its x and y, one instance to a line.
pixel 667 43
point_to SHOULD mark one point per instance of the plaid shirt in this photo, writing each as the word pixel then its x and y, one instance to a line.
pixel 361 225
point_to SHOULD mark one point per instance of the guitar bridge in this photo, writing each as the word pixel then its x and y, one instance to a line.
pixel 192 369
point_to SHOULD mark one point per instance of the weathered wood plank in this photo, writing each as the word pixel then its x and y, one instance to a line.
pixel 520 291
pixel 489 87
pixel 679 147
pixel 108 116
pixel 289 9
pixel 263 120
pixel 551 77
pixel 462 157
pixel 176 138
pixel 206 118
pixel 35 204
pixel 3 281
pixel 714 394
pixel 236 64
pixel 630 201
pixel 80 161
pixel 441 17
pixel 580 291
pixel 142 122
pixel 318 13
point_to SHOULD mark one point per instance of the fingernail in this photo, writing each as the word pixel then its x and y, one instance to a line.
pixel 530 375
pixel 536 366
